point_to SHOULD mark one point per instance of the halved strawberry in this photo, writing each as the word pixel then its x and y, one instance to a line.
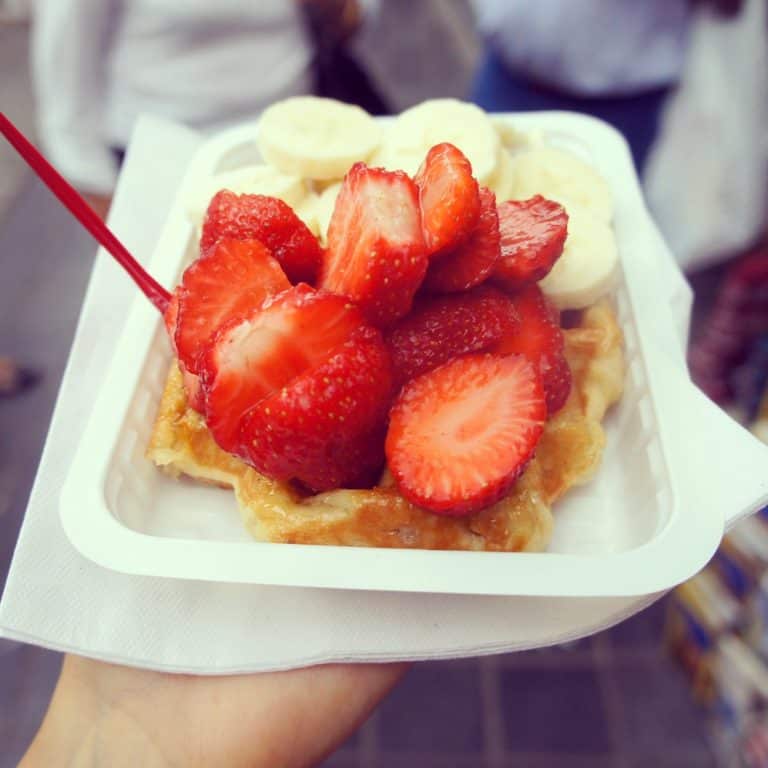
pixel 231 279
pixel 448 196
pixel 460 435
pixel 193 389
pixel 191 382
pixel 325 429
pixel 472 260
pixel 376 253
pixel 540 338
pixel 273 222
pixel 171 316
pixel 438 329
pixel 533 234
pixel 251 357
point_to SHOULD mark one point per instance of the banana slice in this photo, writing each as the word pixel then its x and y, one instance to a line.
pixel 514 139
pixel 503 181
pixel 324 210
pixel 561 176
pixel 380 156
pixel 307 211
pixel 316 138
pixel 588 267
pixel 418 129
pixel 252 179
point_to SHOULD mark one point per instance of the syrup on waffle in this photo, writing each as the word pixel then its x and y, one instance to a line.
pixel 568 454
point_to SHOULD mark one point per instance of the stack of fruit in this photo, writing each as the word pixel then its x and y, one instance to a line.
pixel 418 337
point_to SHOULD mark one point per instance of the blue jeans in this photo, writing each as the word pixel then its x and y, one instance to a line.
pixel 497 89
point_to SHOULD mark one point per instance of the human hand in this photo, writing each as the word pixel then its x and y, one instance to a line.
pixel 334 20
pixel 99 203
pixel 107 715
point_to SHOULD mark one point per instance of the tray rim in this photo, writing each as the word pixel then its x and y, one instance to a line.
pixel 106 541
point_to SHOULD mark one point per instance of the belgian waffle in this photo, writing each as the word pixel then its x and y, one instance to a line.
pixel 568 454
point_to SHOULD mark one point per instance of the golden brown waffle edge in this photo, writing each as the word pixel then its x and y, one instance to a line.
pixel 568 454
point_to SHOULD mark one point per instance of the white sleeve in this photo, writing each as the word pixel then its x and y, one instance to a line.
pixel 70 41
pixel 589 47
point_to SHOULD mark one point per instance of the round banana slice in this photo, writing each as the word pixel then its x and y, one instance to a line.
pixel 307 211
pixel 253 180
pixel 514 139
pixel 561 176
pixel 503 181
pixel 316 138
pixel 416 130
pixel 588 267
pixel 324 210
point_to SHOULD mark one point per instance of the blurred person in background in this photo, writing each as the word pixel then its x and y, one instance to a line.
pixel 99 64
pixel 613 59
pixel 686 83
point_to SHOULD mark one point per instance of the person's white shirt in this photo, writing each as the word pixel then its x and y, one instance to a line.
pixel 589 47
pixel 99 64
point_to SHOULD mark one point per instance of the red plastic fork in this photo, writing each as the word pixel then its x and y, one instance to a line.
pixel 74 203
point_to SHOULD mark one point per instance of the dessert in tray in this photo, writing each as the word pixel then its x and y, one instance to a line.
pixel 396 336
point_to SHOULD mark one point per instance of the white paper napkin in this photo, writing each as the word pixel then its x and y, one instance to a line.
pixel 56 598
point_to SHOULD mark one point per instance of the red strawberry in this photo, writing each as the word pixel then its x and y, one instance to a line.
pixel 252 357
pixel 460 435
pixel 171 316
pixel 376 252
pixel 540 338
pixel 448 196
pixel 533 234
pixel 273 222
pixel 325 429
pixel 470 262
pixel 442 328
pixel 191 381
pixel 234 277
pixel 193 389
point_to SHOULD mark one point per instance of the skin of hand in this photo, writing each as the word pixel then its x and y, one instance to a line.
pixel 99 203
pixel 106 715
pixel 337 20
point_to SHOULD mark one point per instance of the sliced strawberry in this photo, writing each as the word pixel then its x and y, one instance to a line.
pixel 191 382
pixel 233 278
pixel 460 435
pixel 540 338
pixel 439 329
pixel 448 196
pixel 273 222
pixel 470 262
pixel 171 317
pixel 193 389
pixel 376 252
pixel 325 429
pixel 252 357
pixel 533 234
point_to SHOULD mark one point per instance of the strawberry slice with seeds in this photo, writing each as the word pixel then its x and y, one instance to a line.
pixel 190 381
pixel 270 220
pixel 234 277
pixel 460 435
pixel 376 253
pixel 193 389
pixel 254 356
pixel 470 262
pixel 540 338
pixel 325 429
pixel 439 329
pixel 448 196
pixel 533 234
pixel 171 316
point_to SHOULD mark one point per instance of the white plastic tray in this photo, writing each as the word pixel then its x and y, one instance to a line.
pixel 651 518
